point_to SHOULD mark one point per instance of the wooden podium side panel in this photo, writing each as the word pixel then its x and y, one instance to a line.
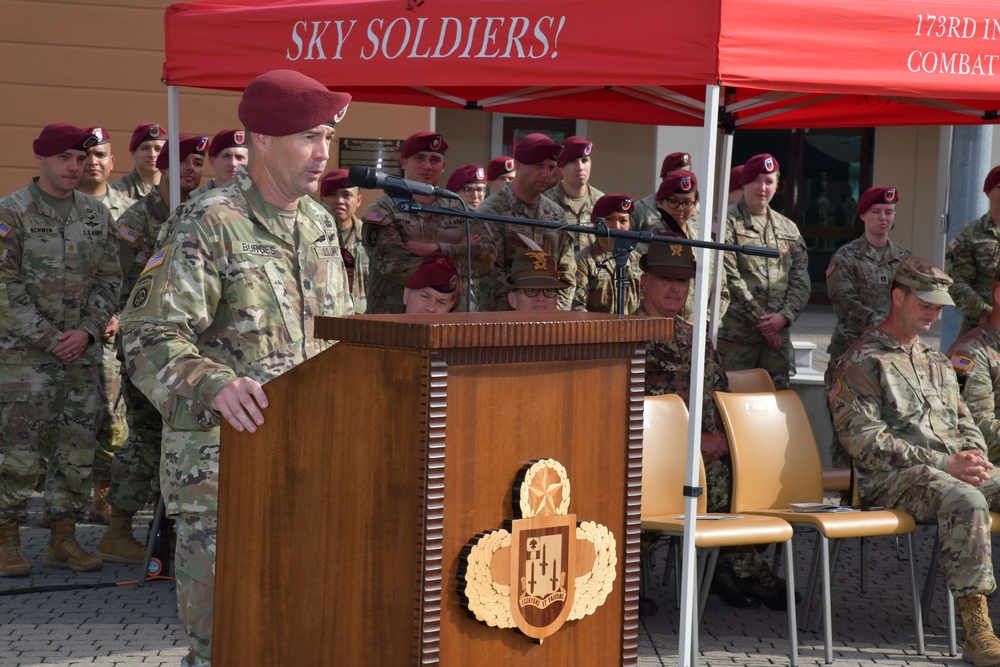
pixel 319 555
pixel 500 417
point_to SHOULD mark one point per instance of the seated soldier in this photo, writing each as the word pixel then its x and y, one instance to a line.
pixel 534 282
pixel 433 288
pixel 742 578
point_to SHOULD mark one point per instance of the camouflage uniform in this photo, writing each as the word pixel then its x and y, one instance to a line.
pixel 898 411
pixel 596 290
pixel 573 217
pixel 491 288
pixel 971 260
pixel 976 360
pixel 55 275
pixel 386 230
pixel 134 479
pixel 351 239
pixel 130 187
pixel 759 286
pixel 232 293
pixel 203 188
pixel 668 371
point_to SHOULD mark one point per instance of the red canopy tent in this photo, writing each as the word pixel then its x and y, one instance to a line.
pixel 719 63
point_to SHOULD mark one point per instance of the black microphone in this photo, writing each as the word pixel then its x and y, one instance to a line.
pixel 372 179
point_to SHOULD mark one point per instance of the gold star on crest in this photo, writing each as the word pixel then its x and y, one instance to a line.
pixel 545 490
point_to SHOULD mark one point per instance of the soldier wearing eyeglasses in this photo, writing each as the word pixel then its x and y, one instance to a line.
pixel 59 284
pixel 469 182
pixel 534 282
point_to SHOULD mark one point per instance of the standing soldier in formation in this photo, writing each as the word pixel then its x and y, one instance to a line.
pixel 596 288
pixel 227 152
pixel 499 172
pixel 147 141
pixel 135 468
pixel 971 259
pixel 398 242
pixel 574 193
pixel 766 295
pixel 469 183
pixel 535 162
pixel 228 303
pixel 59 284
pixel 897 409
pixel 343 200
pixel 646 217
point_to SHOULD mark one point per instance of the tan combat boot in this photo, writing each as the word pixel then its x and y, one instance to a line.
pixel 12 561
pixel 981 648
pixel 65 552
pixel 100 509
pixel 118 544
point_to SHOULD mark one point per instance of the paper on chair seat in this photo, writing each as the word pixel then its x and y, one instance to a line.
pixel 820 507
pixel 712 517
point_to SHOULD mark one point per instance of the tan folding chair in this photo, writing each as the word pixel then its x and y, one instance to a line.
pixel 776 463
pixel 749 380
pixel 664 452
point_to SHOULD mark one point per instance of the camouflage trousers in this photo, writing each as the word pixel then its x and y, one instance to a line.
pixel 113 430
pixel 194 567
pixel 135 470
pixel 744 347
pixel 961 512
pixel 743 561
pixel 62 404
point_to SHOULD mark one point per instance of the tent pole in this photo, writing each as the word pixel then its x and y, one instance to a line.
pixel 725 159
pixel 689 616
pixel 173 128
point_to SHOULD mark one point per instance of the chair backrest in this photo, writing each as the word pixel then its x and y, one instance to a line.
pixel 664 453
pixel 775 458
pixel 749 380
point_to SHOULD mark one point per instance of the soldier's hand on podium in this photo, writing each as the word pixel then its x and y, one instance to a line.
pixel 240 402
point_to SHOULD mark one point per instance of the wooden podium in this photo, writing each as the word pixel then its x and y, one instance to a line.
pixel 342 519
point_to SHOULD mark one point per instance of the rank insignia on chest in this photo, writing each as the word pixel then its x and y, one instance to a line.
pixel 71 247
pixel 960 363
pixel 128 234
pixel 155 261
pixel 884 280
pixel 4 229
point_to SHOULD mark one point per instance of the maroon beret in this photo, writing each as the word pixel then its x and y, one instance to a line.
pixel 469 173
pixel 499 166
pixel 536 148
pixel 573 148
pixel 60 137
pixel 423 141
pixel 992 179
pixel 877 195
pixel 678 181
pixel 437 272
pixel 188 144
pixel 227 139
pixel 103 136
pixel 757 165
pixel 146 132
pixel 735 174
pixel 333 181
pixel 610 203
pixel 675 161
pixel 283 102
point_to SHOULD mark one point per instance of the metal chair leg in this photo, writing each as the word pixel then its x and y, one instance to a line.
pixel 918 623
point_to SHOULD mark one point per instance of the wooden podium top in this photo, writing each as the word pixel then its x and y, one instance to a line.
pixel 500 329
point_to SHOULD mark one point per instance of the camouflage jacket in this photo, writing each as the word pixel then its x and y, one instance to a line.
pixel 351 240
pixel 971 260
pixel 596 290
pixel 492 287
pixel 130 187
pixel 897 406
pixel 858 282
pixel 55 275
pixel 231 293
pixel 116 203
pixel 758 285
pixel 976 360
pixel 138 228
pixel 581 217
pixel 385 232
pixel 668 371
pixel 203 188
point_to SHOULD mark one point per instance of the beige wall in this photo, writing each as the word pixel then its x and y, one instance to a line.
pixel 99 62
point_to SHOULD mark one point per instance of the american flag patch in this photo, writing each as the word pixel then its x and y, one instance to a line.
pixel 830 269
pixel 834 391
pixel 953 243
pixel 374 216
pixel 4 229
pixel 154 261
pixel 128 234
pixel 960 363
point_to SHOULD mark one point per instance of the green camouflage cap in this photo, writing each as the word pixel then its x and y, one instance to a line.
pixel 928 282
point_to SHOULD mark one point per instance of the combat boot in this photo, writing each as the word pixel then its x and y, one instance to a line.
pixel 118 545
pixel 100 509
pixel 981 648
pixel 65 552
pixel 12 561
